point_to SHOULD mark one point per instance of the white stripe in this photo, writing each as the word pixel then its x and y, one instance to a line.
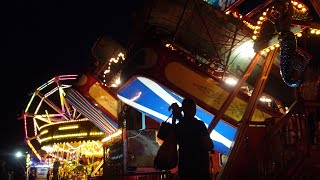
pixel 219 138
pixel 158 90
pixel 143 108
pixel 214 135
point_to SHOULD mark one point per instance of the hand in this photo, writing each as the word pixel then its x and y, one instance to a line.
pixel 176 110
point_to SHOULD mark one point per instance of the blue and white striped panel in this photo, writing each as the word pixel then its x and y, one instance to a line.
pixel 151 98
pixel 89 110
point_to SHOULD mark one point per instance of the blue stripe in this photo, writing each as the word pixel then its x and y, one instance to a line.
pixel 152 100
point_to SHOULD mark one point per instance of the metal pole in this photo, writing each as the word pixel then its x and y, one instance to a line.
pixel 232 95
pixel 246 118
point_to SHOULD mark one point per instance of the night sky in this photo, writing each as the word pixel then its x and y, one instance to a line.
pixel 41 39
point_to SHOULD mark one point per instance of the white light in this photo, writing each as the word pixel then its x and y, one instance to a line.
pixel 18 154
pixel 118 81
pixel 265 99
pixel 246 50
pixel 231 81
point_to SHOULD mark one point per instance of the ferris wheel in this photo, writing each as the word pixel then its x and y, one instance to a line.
pixel 48 106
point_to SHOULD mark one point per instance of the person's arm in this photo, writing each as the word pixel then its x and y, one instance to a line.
pixel 206 140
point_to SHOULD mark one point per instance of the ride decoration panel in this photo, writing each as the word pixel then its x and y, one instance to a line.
pixel 153 99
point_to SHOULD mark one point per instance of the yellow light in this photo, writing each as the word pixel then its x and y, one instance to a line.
pixel 254 37
pixel 294 3
pixel 317 32
pixel 259 22
pixel 299 34
pixel 277 45
pixel 264 13
pixel 304 9
pixel 272 47
pixel 68 127
pixel 267 50
pixel 118 133
pixel 44 132
pixel 263 52
pixel 261 18
pixel 299 5
pixel 312 31
pixel 228 12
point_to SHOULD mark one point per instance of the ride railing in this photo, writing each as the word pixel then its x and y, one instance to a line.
pixel 159 175
pixel 289 140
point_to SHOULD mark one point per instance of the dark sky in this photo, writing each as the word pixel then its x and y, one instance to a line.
pixel 41 39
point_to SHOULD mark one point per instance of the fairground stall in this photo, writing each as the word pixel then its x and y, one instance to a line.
pixel 64 143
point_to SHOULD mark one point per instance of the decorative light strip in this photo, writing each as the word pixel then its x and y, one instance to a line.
pixel 119 57
pixel 34 150
pixel 314 31
pixel 277 44
pixel 63 136
pixel 62 122
pixel 96 133
pixel 69 127
pixel 118 133
pixel 69 135
pixel 44 132
pixel 45 139
pixel 300 7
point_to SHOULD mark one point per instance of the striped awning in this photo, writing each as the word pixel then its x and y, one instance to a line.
pixel 90 111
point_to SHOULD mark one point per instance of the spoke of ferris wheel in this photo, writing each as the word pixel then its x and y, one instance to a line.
pixel 29 103
pixel 43 119
pixel 39 105
pixel 53 106
pixel 64 105
pixel 33 150
pixel 47 114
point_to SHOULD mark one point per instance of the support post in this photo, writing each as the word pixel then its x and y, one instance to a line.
pixel 246 118
pixel 232 95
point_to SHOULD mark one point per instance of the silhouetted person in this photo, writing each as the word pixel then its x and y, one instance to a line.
pixel 194 143
pixel 55 169
pixel 32 175
pixel 4 173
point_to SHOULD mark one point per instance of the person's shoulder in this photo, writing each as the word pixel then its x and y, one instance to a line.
pixel 198 121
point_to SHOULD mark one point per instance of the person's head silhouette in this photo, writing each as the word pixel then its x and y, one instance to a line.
pixel 189 108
